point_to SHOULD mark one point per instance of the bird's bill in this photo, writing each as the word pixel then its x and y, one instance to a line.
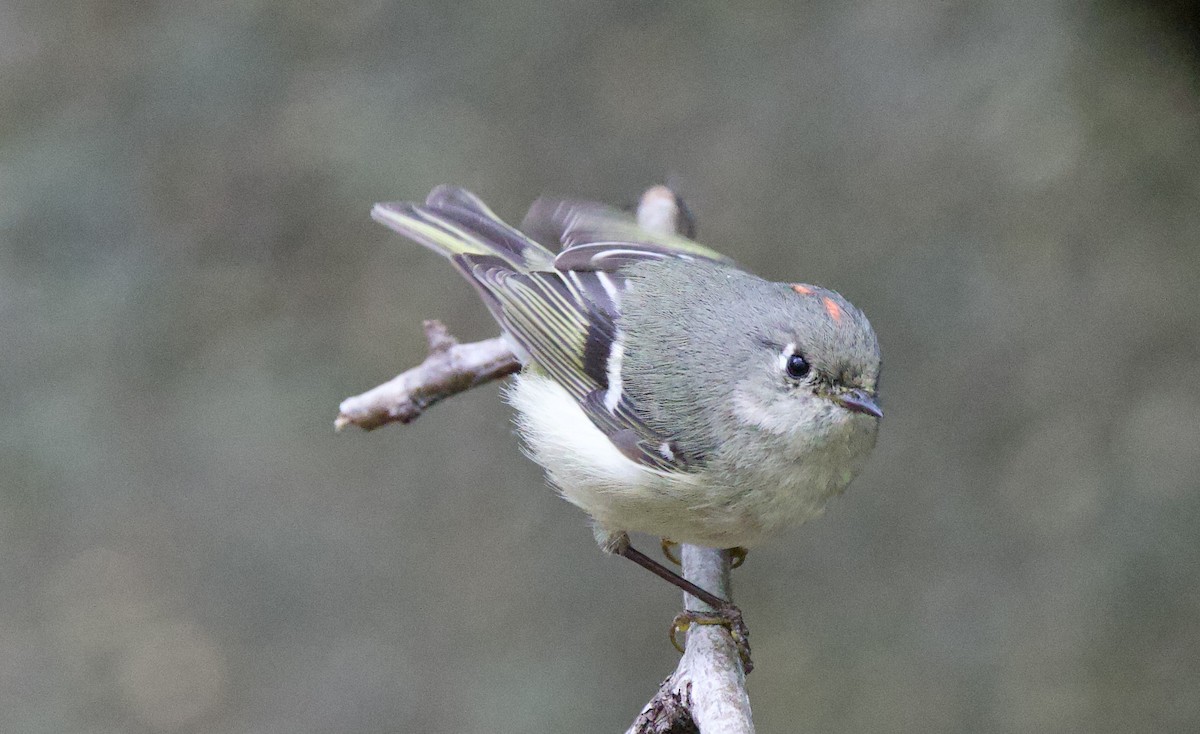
pixel 859 401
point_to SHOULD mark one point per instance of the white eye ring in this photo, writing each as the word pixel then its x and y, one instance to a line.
pixel 785 355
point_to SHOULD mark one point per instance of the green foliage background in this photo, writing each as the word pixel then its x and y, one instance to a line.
pixel 189 283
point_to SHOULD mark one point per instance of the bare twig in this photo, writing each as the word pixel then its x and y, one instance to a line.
pixel 449 369
pixel 707 691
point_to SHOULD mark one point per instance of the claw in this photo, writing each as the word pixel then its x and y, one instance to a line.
pixel 737 556
pixel 729 617
pixel 680 625
pixel 668 549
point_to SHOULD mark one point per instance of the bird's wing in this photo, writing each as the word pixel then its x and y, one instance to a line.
pixel 565 321
pixel 563 318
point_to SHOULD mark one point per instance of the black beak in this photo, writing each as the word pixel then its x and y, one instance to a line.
pixel 859 401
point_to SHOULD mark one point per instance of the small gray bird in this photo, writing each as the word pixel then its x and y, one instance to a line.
pixel 664 389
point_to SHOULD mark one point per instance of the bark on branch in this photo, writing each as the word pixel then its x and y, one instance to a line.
pixel 449 369
pixel 707 691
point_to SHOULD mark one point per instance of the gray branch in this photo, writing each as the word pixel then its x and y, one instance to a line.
pixel 449 369
pixel 707 691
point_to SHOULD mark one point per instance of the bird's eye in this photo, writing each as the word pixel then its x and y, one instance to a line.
pixel 797 367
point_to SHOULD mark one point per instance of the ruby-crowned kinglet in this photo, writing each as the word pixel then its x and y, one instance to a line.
pixel 664 390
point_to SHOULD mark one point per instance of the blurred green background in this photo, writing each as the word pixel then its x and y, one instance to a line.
pixel 190 283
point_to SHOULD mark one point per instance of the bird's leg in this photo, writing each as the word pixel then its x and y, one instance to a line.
pixel 725 613
pixel 624 549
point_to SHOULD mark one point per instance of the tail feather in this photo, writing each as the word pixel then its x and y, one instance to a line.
pixel 455 222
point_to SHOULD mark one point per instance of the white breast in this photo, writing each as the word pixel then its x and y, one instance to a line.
pixel 621 495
